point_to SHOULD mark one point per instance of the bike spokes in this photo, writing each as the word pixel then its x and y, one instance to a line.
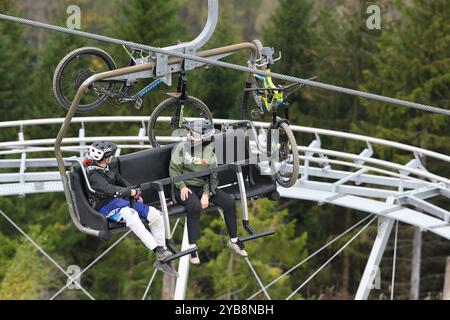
pixel 171 115
pixel 284 156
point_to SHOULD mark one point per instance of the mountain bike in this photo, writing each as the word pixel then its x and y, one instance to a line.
pixel 281 146
pixel 80 64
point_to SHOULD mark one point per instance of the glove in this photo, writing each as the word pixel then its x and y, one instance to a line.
pixel 138 196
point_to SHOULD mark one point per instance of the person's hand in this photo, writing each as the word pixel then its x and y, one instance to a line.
pixel 204 201
pixel 184 193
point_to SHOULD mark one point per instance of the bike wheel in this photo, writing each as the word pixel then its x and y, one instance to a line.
pixel 193 108
pixel 74 69
pixel 256 83
pixel 259 46
pixel 258 95
pixel 285 159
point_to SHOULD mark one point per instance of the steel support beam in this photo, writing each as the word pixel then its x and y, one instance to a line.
pixel 372 267
pixel 183 269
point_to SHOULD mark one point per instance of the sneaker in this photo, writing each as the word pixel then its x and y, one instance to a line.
pixel 166 268
pixel 238 247
pixel 161 253
pixel 194 258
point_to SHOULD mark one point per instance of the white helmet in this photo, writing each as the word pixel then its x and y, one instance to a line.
pixel 101 149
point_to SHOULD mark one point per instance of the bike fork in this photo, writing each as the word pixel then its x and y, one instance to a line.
pixel 177 118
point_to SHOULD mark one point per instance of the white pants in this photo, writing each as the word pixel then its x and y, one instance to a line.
pixel 156 236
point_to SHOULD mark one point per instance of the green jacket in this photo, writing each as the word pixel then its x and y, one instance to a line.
pixel 183 161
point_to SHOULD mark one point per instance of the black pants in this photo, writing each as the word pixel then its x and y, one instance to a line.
pixel 193 208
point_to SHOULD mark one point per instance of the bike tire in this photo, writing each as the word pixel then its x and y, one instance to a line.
pixel 169 102
pixel 71 56
pixel 295 159
pixel 259 46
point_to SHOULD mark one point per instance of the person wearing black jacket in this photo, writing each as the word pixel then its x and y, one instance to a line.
pixel 111 198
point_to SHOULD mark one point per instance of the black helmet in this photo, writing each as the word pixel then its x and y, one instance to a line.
pixel 101 149
pixel 199 131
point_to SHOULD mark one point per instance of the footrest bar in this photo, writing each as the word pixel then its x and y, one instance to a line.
pixel 180 254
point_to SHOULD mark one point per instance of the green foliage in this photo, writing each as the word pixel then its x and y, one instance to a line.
pixel 221 89
pixel 412 63
pixel 223 275
pixel 29 275
pixel 13 52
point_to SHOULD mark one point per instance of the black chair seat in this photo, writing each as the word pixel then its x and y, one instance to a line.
pixel 252 191
pixel 176 210
pixel 115 225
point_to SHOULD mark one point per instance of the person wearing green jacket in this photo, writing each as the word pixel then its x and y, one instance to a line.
pixel 193 155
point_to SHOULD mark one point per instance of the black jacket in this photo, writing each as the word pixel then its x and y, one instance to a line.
pixel 108 184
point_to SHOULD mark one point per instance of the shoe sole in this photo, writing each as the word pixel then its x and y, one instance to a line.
pixel 168 272
pixel 165 256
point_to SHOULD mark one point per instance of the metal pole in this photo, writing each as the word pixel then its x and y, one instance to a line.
pixel 183 269
pixel 162 200
pixel 372 267
pixel 446 294
pixel 243 194
pixel 394 260
pixel 415 265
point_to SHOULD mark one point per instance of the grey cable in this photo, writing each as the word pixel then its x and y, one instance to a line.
pixel 332 257
pixel 310 256
pixel 257 278
pixel 230 65
pixel 149 284
pixel 92 263
pixel 72 280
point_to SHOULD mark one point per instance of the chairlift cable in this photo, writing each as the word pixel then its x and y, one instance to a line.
pixel 257 278
pixel 230 65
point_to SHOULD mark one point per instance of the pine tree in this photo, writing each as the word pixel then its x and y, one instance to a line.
pixel 220 88
pixel 15 61
pixel 412 63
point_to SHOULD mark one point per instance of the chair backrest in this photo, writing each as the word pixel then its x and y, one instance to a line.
pixel 230 147
pixel 87 215
pixel 153 164
pixel 145 166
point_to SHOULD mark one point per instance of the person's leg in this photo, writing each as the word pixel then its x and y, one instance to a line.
pixel 132 220
pixel 155 221
pixel 226 202
pixel 156 224
pixel 193 209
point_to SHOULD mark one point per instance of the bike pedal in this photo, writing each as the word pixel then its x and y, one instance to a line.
pixel 256 113
pixel 138 103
